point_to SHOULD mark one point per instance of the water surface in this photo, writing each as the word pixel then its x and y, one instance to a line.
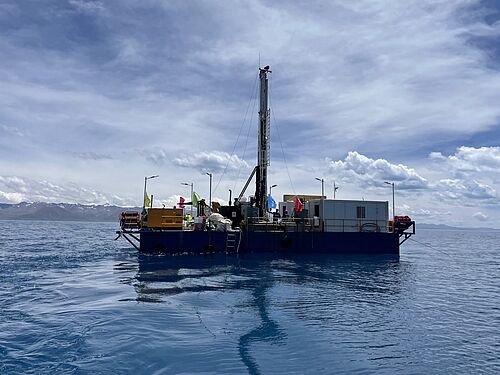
pixel 72 300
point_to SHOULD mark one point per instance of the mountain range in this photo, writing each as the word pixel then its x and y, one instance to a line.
pixel 61 212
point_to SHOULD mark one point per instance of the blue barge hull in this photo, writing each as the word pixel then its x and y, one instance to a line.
pixel 198 242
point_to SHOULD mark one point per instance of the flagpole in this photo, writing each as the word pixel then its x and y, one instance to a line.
pixel 270 194
pixel 210 196
pixel 145 183
pixel 190 184
pixel 144 195
pixel 191 199
pixel 322 202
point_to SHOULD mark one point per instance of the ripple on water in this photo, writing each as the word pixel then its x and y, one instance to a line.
pixel 73 300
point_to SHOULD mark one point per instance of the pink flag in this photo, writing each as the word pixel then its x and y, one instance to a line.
pixel 181 202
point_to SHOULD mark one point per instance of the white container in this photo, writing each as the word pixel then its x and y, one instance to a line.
pixel 351 215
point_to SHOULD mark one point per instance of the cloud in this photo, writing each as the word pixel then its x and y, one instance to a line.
pixel 374 172
pixel 170 201
pixel 87 6
pixel 465 192
pixel 380 77
pixel 214 162
pixel 421 212
pixel 11 130
pixel 11 197
pixel 156 155
pixel 480 216
pixel 92 156
pixel 424 212
pixel 482 159
pixel 369 88
pixel 131 52
pixel 15 189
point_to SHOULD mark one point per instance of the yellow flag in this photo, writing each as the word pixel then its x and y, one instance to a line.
pixel 147 201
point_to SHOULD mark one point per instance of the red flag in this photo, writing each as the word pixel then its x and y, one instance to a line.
pixel 298 205
pixel 181 202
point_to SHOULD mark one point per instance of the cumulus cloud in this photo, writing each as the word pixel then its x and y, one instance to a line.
pixel 465 192
pixel 369 172
pixel 374 172
pixel 482 159
pixel 214 161
pixel 480 216
pixel 15 189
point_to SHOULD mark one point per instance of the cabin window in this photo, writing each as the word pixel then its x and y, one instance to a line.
pixel 360 212
pixel 316 210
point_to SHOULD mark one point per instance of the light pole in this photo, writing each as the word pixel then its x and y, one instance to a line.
pixel 145 183
pixel 271 188
pixel 210 196
pixel 322 203
pixel 322 186
pixel 393 205
pixel 191 184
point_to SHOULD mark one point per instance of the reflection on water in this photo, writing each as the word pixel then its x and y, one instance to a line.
pixel 268 330
pixel 75 301
pixel 327 286
pixel 161 276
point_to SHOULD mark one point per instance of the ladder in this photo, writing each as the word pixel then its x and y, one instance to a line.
pixel 231 245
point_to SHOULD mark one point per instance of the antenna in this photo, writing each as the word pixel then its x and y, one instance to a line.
pixel 335 188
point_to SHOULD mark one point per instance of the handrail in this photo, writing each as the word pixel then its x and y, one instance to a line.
pixel 314 224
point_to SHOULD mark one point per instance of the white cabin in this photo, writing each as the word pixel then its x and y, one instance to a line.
pixel 343 215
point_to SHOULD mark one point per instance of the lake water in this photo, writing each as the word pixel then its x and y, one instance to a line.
pixel 72 300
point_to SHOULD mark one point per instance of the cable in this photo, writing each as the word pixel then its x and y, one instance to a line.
pixel 246 142
pixel 279 138
pixel 429 246
pixel 239 133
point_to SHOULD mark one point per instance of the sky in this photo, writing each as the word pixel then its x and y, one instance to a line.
pixel 96 95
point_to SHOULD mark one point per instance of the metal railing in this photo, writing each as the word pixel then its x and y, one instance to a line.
pixel 356 225
pixel 317 225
